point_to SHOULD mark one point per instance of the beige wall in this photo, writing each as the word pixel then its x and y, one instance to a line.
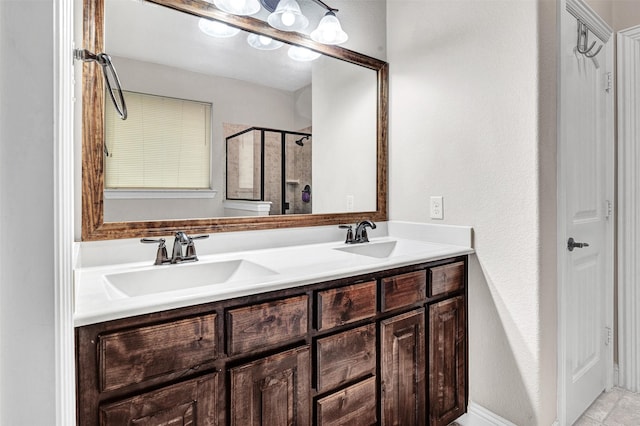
pixel 472 111
pixel 619 14
pixel 626 14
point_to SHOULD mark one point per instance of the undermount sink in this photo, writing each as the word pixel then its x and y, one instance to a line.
pixel 181 277
pixel 390 248
pixel 379 250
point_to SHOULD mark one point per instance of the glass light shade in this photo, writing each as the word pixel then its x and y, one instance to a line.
pixel 302 54
pixel 263 42
pixel 217 29
pixel 288 17
pixel 238 7
pixel 329 30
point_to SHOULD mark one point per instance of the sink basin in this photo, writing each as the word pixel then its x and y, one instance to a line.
pixel 390 248
pixel 181 277
pixel 379 250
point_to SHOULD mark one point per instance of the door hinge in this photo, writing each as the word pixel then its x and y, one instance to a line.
pixel 608 209
pixel 608 336
pixel 608 81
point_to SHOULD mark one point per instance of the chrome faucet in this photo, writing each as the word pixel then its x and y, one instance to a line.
pixel 360 234
pixel 181 239
pixel 361 231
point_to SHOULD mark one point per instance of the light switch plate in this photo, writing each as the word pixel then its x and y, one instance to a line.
pixel 437 208
pixel 350 202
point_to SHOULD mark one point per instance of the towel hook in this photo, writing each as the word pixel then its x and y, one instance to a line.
pixel 109 74
pixel 583 41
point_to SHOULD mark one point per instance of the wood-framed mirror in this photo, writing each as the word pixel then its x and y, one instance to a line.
pixel 341 174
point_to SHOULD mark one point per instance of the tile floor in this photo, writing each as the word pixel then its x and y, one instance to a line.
pixel 618 407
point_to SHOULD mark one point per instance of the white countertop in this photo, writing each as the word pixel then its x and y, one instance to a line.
pixel 288 266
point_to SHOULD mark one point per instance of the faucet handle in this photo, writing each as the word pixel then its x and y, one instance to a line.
pixel 349 229
pixel 161 255
pixel 191 247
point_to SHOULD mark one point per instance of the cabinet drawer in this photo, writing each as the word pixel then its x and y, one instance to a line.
pixel 353 406
pixel 346 356
pixel 445 279
pixel 256 326
pixel 187 403
pixel 345 305
pixel 403 290
pixel 144 353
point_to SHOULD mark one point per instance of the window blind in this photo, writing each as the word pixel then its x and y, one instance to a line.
pixel 164 143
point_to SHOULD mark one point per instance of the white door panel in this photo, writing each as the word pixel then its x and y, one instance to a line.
pixel 584 171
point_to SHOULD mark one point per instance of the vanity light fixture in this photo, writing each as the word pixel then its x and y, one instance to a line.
pixel 216 28
pixel 238 7
pixel 302 54
pixel 262 42
pixel 329 30
pixel 288 16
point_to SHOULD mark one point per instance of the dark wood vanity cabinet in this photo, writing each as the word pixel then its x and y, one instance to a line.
pixel 447 360
pixel 386 348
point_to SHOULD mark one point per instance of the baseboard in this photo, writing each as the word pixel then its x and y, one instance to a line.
pixel 480 416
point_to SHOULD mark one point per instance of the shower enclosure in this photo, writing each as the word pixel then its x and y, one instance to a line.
pixel 270 165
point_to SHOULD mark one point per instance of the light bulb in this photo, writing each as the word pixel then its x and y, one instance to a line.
pixel 288 19
pixel 302 54
pixel 264 40
pixel 217 29
pixel 329 30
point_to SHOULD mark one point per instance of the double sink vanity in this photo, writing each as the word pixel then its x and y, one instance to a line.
pixel 322 333
pixel 279 321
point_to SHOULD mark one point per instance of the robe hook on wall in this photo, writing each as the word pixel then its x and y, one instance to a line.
pixel 109 74
pixel 583 41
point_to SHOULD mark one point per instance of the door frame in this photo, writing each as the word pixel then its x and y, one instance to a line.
pixel 604 32
pixel 628 41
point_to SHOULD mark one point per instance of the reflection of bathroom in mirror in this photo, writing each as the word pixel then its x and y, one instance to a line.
pixel 162 52
pixel 268 171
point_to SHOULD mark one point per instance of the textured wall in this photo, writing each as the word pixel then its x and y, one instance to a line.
pixel 472 99
pixel 27 356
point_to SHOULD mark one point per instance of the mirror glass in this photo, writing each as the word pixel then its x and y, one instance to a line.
pixel 286 136
pixel 229 137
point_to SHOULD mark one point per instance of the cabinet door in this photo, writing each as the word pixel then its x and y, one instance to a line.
pixel 193 402
pixel 272 391
pixel 402 369
pixel 447 361
pixel 353 406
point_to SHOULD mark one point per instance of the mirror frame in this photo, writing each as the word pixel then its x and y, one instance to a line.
pixel 93 104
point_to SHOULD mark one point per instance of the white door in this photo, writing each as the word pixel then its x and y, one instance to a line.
pixel 585 200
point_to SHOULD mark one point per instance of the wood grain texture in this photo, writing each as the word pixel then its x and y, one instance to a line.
pixel 192 403
pixel 446 279
pixel 260 326
pixel 353 406
pixel 402 369
pixel 338 359
pixel 403 290
pixel 447 361
pixel 93 225
pixel 272 390
pixel 140 354
pixel 345 356
pixel 344 305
